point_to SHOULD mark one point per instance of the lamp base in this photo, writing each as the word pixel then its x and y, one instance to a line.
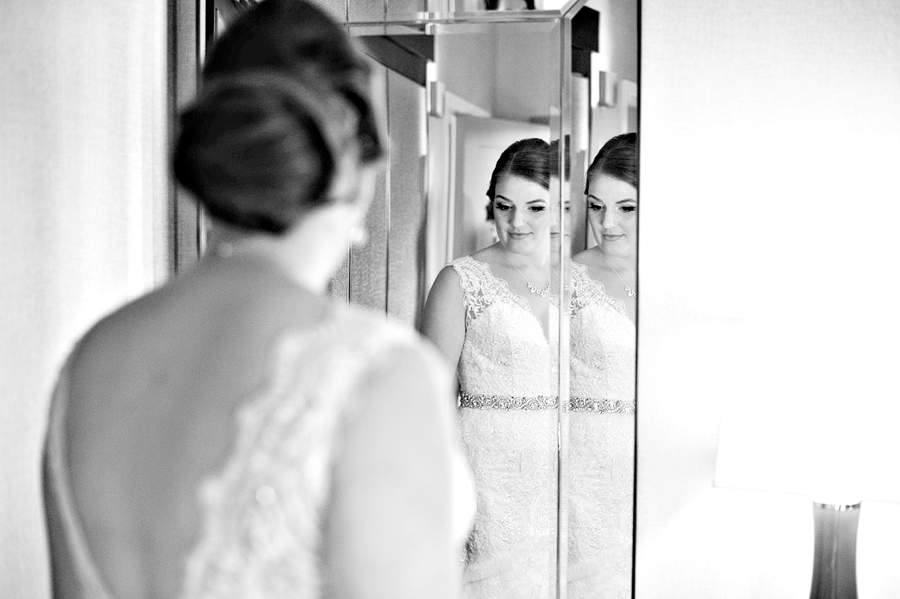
pixel 834 564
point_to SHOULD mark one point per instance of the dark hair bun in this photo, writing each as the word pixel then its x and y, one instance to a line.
pixel 259 149
pixel 285 96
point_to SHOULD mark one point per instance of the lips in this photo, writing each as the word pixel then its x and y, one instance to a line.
pixel 607 237
pixel 518 235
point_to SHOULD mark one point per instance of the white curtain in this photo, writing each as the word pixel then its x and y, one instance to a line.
pixel 83 137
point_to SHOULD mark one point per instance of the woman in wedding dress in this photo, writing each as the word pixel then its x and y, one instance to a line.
pixel 494 314
pixel 602 383
pixel 234 433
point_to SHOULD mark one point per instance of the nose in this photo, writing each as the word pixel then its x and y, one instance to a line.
pixel 609 219
pixel 518 218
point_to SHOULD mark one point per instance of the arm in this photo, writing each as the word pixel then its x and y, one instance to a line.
pixel 389 532
pixel 444 317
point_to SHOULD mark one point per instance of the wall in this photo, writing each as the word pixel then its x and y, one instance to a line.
pixel 618 37
pixel 770 138
pixel 82 194
pixel 385 274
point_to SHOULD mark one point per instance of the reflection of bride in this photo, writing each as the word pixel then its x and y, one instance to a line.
pixel 601 424
pixel 494 315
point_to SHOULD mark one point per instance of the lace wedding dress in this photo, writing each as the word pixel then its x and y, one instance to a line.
pixel 601 442
pixel 262 512
pixel 508 382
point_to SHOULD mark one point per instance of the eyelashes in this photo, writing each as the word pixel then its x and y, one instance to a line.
pixel 599 207
pixel 506 207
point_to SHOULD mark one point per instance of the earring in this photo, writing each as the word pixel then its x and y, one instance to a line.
pixel 358 236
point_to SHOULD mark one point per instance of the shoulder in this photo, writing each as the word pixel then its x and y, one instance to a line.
pixel 412 364
pixel 476 266
pixel 449 277
pixel 389 341
pixel 489 255
pixel 401 366
pixel 106 350
pixel 588 257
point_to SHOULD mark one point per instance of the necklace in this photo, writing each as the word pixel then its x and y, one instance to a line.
pixel 631 292
pixel 531 288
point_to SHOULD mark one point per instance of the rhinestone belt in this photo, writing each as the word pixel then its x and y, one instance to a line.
pixel 508 402
pixel 601 406
pixel 544 402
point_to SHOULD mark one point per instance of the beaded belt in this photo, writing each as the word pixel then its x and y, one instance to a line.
pixel 508 402
pixel 544 402
pixel 601 406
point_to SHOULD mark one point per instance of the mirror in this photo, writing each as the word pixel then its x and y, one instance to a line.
pixel 495 311
pixel 555 478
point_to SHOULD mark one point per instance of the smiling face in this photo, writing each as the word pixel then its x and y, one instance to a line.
pixel 521 214
pixel 612 212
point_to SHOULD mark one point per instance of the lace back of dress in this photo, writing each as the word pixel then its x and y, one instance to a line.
pixel 263 511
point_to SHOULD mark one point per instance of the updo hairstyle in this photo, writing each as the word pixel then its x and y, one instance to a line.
pixel 526 158
pixel 285 95
pixel 618 159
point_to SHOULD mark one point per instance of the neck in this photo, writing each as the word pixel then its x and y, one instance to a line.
pixel 533 260
pixel 308 254
pixel 619 263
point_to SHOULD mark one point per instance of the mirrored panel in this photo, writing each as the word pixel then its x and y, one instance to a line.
pixel 601 420
pixel 467 219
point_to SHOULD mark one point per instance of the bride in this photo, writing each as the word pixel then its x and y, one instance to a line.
pixel 601 422
pixel 494 315
pixel 234 433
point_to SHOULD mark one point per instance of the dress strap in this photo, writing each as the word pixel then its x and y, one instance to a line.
pixel 481 287
pixel 587 290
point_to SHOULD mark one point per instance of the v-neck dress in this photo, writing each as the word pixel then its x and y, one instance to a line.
pixel 508 419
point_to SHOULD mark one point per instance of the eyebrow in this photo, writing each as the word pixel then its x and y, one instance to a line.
pixel 592 196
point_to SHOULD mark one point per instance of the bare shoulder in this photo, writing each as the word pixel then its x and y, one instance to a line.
pixel 107 351
pixel 491 254
pixel 589 257
pixel 445 284
pixel 444 316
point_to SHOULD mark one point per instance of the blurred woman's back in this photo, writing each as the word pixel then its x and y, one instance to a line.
pixel 235 434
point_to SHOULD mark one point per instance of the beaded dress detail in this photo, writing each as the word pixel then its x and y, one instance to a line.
pixel 508 419
pixel 263 511
pixel 601 442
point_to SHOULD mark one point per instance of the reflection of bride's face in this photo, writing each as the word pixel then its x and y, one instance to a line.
pixel 521 214
pixel 612 212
